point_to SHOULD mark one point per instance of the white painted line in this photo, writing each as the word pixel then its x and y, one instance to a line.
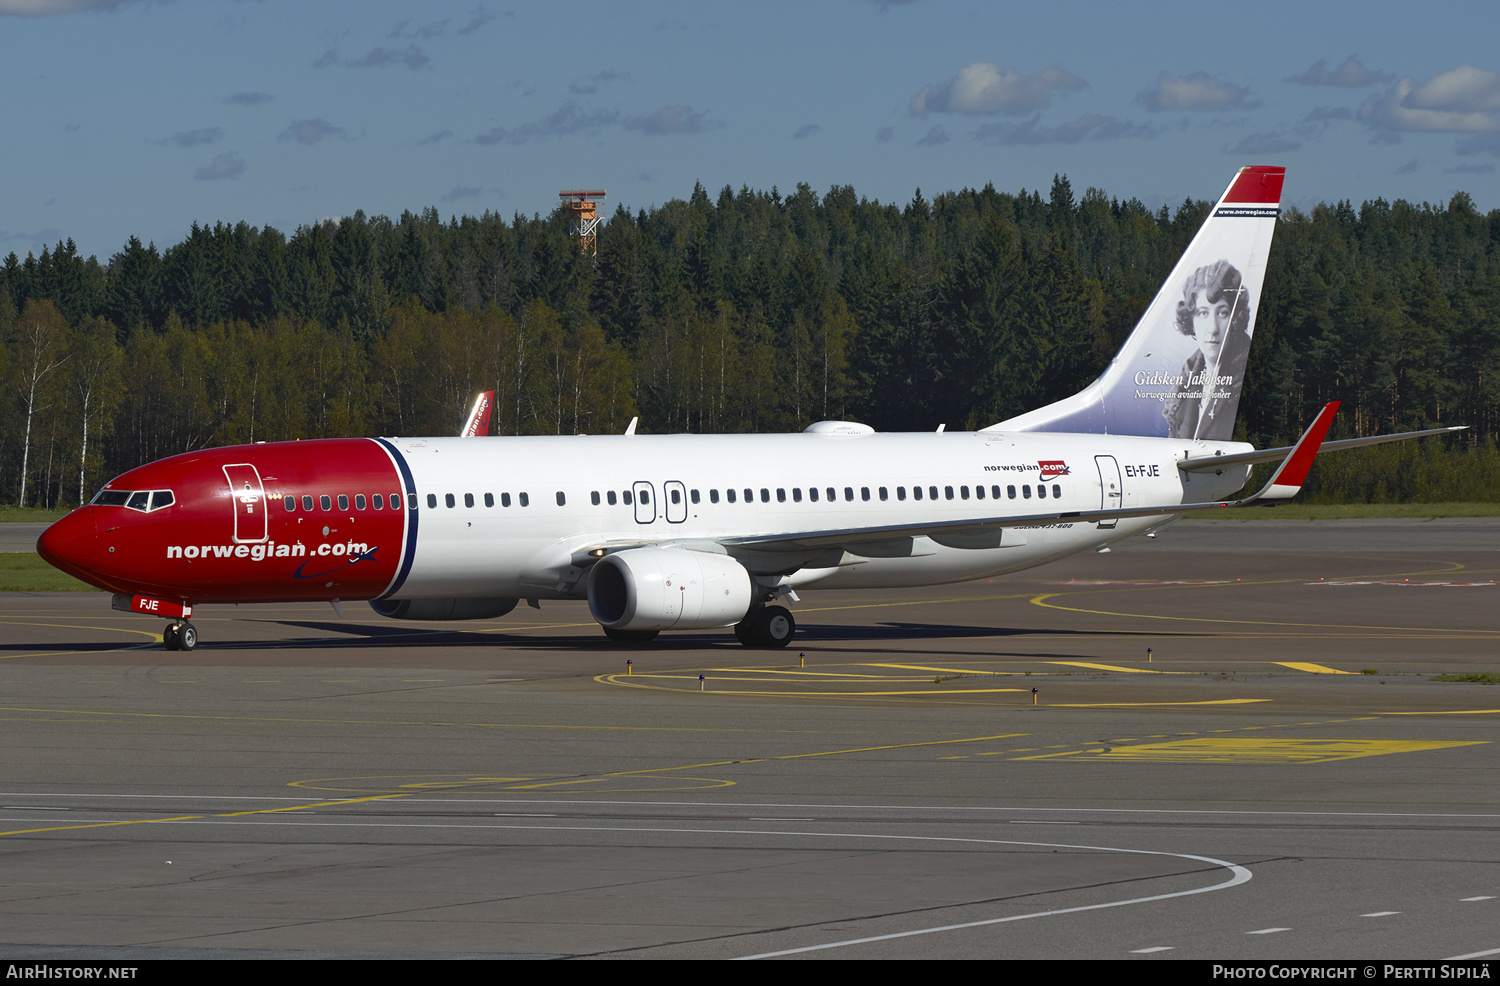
pixel 1379 914
pixel 1239 875
pixel 1267 931
pixel 1474 955
pixel 1154 948
pixel 1467 899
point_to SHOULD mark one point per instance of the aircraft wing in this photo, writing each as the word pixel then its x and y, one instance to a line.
pixel 1284 483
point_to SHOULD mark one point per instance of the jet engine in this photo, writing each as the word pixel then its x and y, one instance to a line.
pixel 443 609
pixel 668 589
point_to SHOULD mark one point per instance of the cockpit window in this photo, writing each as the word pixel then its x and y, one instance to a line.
pixel 143 500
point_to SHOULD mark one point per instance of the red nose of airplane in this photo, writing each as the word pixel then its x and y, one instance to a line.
pixel 70 544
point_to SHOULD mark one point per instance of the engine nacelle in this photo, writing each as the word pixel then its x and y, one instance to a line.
pixel 668 589
pixel 443 609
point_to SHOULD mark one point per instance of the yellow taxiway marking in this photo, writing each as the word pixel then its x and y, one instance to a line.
pixel 1041 600
pixel 1258 750
pixel 1111 667
pixel 1447 712
pixel 625 681
pixel 1125 705
pixel 919 667
pixel 648 771
pixel 192 818
pixel 1310 668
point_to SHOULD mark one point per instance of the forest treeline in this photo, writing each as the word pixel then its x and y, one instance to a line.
pixel 753 311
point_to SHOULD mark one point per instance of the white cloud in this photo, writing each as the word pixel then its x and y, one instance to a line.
pixel 567 120
pixel 986 88
pixel 56 8
pixel 1350 75
pixel 229 165
pixel 680 119
pixel 1461 100
pixel 1269 143
pixel 1195 91
pixel 935 136
pixel 192 138
pixel 1090 126
pixel 311 131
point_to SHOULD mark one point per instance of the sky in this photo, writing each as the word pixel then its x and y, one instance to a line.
pixel 141 117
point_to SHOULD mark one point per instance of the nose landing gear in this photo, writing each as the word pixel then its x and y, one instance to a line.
pixel 180 635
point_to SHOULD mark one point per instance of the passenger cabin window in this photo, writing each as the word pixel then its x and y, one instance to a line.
pixel 693 496
pixel 883 494
pixel 411 500
pixel 594 498
pixel 749 495
pixel 432 500
pixel 562 499
pixel 504 499
pixel 325 502
pixel 780 495
pixel 448 499
pixel 833 494
pixel 713 496
pixel 849 493
pixel 610 495
pixel 343 501
pixel 628 500
pixel 812 493
pixel 901 492
pixel 1041 491
pixel 730 494
pixel 796 494
pixel 359 501
pixel 290 503
pixel 307 503
pixel 523 499
pixel 468 499
pixel 1010 491
pixel 1056 490
pixel 676 496
pixel 378 502
pixel 1026 492
pixel 916 492
pixel 489 499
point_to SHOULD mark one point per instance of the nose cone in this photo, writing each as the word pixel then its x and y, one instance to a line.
pixel 71 545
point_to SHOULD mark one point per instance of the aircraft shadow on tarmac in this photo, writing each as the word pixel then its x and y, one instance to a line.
pixel 359 635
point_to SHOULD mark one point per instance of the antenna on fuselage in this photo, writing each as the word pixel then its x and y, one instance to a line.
pixel 630 428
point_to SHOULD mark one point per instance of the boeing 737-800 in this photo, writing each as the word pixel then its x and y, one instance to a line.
pixel 687 532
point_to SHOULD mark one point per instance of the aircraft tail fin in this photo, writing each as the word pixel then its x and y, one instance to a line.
pixel 478 424
pixel 1180 373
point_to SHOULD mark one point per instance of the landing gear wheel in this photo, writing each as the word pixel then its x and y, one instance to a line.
pixel 776 626
pixel 631 636
pixel 180 636
pixel 770 627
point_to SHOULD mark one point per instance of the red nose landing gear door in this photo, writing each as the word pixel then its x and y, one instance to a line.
pixel 249 501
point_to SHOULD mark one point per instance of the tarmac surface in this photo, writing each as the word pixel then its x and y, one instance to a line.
pixel 1282 778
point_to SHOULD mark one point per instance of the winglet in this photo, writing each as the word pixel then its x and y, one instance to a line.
pixel 478 424
pixel 1292 473
pixel 630 428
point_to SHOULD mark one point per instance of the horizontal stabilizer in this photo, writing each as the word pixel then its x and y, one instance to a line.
pixel 1213 463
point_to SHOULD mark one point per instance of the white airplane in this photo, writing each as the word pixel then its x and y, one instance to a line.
pixel 690 532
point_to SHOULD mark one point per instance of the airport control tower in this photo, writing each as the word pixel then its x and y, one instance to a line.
pixel 583 206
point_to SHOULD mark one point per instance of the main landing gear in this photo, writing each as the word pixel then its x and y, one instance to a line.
pixel 180 635
pixel 766 626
